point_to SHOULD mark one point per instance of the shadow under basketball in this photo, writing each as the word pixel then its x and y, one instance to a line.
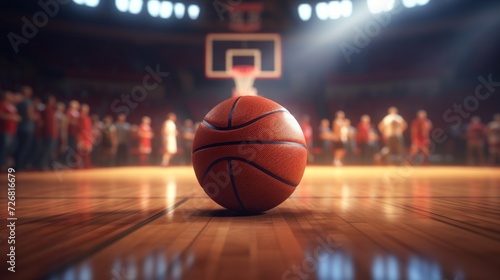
pixel 224 213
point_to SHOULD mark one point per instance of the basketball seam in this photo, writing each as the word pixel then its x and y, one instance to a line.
pixel 253 142
pixel 262 169
pixel 209 125
pixel 230 118
pixel 231 176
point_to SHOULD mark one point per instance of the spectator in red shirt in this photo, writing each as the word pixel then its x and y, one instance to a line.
pixel 365 149
pixel 73 121
pixel 145 135
pixel 475 136
pixel 9 118
pixel 84 136
pixel 420 140
pixel 305 124
pixel 339 137
pixel 49 133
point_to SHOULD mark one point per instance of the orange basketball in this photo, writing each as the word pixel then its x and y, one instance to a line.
pixel 249 154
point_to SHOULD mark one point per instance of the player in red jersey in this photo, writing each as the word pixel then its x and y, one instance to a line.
pixel 494 139
pixel 84 137
pixel 145 134
pixel 475 141
pixel 420 139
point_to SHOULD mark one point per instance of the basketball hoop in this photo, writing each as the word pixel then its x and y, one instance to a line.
pixel 244 77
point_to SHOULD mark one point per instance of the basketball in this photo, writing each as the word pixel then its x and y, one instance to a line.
pixel 249 154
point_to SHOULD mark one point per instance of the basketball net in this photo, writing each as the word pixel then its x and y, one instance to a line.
pixel 244 77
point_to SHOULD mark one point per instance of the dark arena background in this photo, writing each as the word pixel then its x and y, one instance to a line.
pixel 398 100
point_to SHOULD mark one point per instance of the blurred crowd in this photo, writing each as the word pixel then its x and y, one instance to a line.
pixel 385 143
pixel 43 134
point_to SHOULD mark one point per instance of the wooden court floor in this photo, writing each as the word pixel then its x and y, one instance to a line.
pixel 341 223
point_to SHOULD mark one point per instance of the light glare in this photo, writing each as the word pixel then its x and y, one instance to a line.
pixel 154 8
pixel 167 9
pixel 92 3
pixel 378 6
pixel 322 10
pixel 334 10
pixel 179 10
pixel 135 6
pixel 305 12
pixel 193 11
pixel 122 5
pixel 346 8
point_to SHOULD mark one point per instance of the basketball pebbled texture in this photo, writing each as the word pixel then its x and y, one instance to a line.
pixel 249 154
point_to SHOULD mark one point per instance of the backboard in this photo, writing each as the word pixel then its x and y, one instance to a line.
pixel 223 51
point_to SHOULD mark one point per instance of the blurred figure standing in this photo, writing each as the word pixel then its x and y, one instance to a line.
pixel 420 136
pixel 36 153
pixel 97 157
pixel 349 136
pixel 49 133
pixel 494 139
pixel 62 131
pixel 109 141
pixel 169 135
pixel 73 121
pixel 364 149
pixel 475 135
pixel 25 129
pixel 145 135
pixel 188 132
pixel 123 131
pixel 339 136
pixel 305 124
pixel 85 136
pixel 9 119
pixel 392 128
pixel 325 135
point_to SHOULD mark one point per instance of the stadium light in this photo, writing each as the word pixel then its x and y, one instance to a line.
pixel 193 11
pixel 305 11
pixel 322 10
pixel 154 8
pixel 414 3
pixel 167 8
pixel 89 3
pixel 135 6
pixel 122 5
pixel 179 10
pixel 334 10
pixel 346 8
pixel 378 6
pixel 409 3
pixel 92 3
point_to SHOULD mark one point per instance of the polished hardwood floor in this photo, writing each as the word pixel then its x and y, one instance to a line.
pixel 340 223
